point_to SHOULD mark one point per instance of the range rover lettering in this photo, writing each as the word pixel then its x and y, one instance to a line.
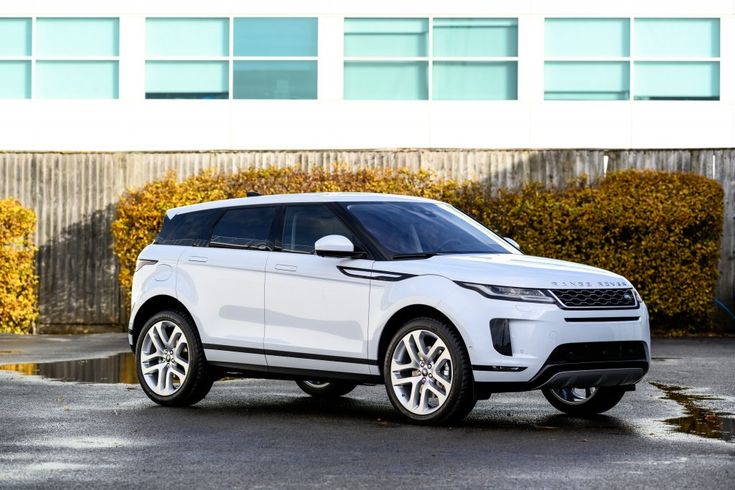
pixel 338 289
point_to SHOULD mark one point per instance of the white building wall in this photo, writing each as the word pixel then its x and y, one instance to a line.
pixel 134 123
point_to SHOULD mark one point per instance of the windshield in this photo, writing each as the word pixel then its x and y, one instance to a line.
pixel 424 229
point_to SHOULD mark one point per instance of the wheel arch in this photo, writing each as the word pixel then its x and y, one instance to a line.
pixel 400 317
pixel 152 306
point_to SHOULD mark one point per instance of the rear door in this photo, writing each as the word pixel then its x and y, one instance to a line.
pixel 225 281
pixel 316 315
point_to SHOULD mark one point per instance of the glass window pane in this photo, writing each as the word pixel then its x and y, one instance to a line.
pixel 458 80
pixel 275 80
pixel 76 79
pixel 247 227
pixel 77 37
pixel 586 80
pixel 475 37
pixel 386 80
pixel 677 38
pixel 186 80
pixel 304 225
pixel 187 37
pixel 275 36
pixel 15 79
pixel 386 37
pixel 677 81
pixel 587 37
pixel 15 37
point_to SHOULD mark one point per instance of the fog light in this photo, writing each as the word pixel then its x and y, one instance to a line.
pixel 500 333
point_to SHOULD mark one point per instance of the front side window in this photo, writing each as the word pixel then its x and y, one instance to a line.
pixel 304 225
pixel 247 227
pixel 409 229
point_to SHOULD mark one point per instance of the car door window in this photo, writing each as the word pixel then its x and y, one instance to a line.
pixel 247 227
pixel 304 225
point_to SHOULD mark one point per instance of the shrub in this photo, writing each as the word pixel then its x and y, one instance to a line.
pixel 660 230
pixel 18 280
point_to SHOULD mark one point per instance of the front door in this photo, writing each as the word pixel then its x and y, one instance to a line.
pixel 316 316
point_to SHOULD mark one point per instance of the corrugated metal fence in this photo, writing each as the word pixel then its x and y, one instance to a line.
pixel 74 195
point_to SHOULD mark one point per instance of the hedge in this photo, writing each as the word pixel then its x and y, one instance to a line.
pixel 18 280
pixel 660 230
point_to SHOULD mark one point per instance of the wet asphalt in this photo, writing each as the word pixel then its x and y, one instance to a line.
pixel 254 433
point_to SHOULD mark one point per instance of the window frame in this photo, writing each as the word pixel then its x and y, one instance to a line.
pixel 231 58
pixel 429 59
pixel 33 58
pixel 632 59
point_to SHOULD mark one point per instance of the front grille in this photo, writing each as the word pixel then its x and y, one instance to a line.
pixel 595 298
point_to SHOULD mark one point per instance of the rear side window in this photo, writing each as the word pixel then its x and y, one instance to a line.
pixel 189 229
pixel 247 227
pixel 304 225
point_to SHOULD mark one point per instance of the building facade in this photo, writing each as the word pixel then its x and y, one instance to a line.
pixel 286 74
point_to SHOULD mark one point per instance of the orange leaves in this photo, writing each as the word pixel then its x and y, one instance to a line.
pixel 18 280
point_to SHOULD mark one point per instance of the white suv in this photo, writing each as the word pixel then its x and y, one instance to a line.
pixel 335 290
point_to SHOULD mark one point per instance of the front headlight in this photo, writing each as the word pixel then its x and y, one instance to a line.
pixel 509 293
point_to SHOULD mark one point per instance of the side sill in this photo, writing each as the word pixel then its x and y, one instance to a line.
pixel 290 374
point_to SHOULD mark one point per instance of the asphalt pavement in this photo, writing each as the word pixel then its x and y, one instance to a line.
pixel 673 431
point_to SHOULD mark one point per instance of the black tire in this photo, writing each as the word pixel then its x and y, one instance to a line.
pixel 198 379
pixel 461 398
pixel 602 400
pixel 325 389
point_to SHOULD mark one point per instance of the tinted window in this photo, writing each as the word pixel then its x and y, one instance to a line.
pixel 304 225
pixel 244 228
pixel 189 229
pixel 406 228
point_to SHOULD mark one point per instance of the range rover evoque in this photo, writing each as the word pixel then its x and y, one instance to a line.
pixel 338 289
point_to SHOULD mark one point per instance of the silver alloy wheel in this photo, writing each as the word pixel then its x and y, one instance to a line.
pixel 421 372
pixel 315 384
pixel 164 358
pixel 574 396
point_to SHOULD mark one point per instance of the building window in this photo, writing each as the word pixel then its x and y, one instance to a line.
pixel 187 58
pixel 271 58
pixel 74 58
pixel 275 58
pixel 473 59
pixel 677 59
pixel 672 59
pixel 587 59
pixel 15 58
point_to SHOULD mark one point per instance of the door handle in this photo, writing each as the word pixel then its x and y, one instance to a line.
pixel 196 258
pixel 286 267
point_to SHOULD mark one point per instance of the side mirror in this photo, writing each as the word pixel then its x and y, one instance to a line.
pixel 512 242
pixel 334 246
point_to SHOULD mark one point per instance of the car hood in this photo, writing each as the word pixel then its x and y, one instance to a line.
pixel 509 270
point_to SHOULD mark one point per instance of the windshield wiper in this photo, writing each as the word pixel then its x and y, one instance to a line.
pixel 418 255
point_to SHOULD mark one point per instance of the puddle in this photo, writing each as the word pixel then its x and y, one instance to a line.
pixel 115 369
pixel 698 420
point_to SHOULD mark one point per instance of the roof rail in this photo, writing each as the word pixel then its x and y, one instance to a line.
pixel 252 194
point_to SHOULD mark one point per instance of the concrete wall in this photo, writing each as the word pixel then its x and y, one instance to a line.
pixel 74 195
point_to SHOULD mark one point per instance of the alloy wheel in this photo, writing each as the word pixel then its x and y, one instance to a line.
pixel 164 358
pixel 421 372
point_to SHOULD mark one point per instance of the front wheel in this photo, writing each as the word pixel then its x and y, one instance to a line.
pixel 428 374
pixel 583 402
pixel 325 389
pixel 170 360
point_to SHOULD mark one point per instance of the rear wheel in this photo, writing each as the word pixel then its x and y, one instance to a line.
pixel 326 389
pixel 584 401
pixel 428 374
pixel 170 360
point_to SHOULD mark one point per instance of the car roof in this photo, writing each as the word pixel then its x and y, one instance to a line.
pixel 311 197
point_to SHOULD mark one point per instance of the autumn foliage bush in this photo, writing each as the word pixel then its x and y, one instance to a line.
pixel 660 230
pixel 18 280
